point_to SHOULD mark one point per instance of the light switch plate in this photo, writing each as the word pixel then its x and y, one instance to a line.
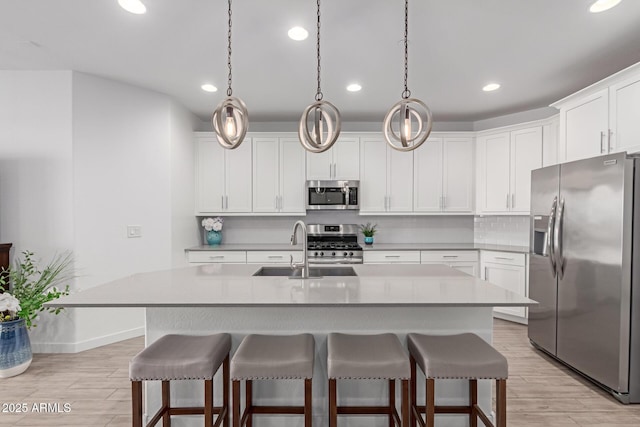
pixel 134 231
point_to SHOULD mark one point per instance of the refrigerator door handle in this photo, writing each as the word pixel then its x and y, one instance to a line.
pixel 557 240
pixel 550 236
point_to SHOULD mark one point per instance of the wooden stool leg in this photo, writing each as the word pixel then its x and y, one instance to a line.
pixel 236 403
pixel 414 391
pixel 166 404
pixel 406 409
pixel 392 402
pixel 248 386
pixel 225 391
pixel 308 399
pixel 473 401
pixel 501 403
pixel 431 402
pixel 136 403
pixel 208 403
pixel 333 404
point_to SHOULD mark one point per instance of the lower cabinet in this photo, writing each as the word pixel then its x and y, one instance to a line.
pixel 273 257
pixel 465 261
pixel 507 270
pixel 208 257
pixel 391 257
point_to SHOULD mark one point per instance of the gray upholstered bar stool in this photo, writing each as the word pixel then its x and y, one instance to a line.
pixel 271 357
pixel 368 357
pixel 463 356
pixel 182 357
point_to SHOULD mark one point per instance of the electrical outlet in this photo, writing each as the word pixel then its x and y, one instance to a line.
pixel 134 231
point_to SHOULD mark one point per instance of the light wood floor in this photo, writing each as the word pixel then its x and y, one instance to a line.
pixel 96 385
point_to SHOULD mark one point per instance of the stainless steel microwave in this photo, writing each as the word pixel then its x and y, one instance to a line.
pixel 333 195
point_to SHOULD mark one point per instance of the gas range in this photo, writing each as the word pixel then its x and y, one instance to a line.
pixel 333 244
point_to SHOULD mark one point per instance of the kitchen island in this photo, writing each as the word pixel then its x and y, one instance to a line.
pixel 379 298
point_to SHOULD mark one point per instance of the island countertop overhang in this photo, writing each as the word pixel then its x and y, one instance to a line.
pixel 228 285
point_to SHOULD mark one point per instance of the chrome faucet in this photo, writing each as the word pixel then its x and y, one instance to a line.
pixel 304 265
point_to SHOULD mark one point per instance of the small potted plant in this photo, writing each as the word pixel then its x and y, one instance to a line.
pixel 212 230
pixel 368 231
pixel 30 288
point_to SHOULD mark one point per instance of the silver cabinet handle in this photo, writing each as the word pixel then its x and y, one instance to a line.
pixel 330 170
pixel 602 142
pixel 335 170
pixel 486 275
pixel 275 257
pixel 550 227
pixel 507 200
pixel 513 200
pixel 392 256
pixel 226 202
pixel 221 202
pixel 449 256
pixel 609 141
pixel 216 257
pixel 503 257
pixel 388 203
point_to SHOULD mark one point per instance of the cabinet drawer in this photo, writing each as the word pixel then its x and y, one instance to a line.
pixel 237 257
pixel 508 258
pixel 383 257
pixel 449 256
pixel 272 257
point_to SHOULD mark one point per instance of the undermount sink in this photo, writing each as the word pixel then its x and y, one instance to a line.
pixel 314 272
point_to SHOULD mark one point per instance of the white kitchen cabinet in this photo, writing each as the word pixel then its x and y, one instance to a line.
pixel 624 115
pixel 278 175
pixel 505 161
pixel 223 177
pixel 391 257
pixel 465 261
pixel 386 178
pixel 507 270
pixel 216 257
pixel 340 162
pixel 273 257
pixel 585 126
pixel 550 135
pixel 443 175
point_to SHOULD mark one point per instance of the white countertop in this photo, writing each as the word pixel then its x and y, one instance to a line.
pixel 374 247
pixel 226 285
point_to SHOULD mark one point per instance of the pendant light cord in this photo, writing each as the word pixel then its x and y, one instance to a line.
pixel 319 92
pixel 229 90
pixel 407 93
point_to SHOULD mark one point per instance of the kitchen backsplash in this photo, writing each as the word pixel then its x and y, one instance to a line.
pixel 502 230
pixel 391 229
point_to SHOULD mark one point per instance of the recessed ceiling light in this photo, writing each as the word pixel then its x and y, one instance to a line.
pixel 208 87
pixel 133 6
pixel 298 33
pixel 354 87
pixel 491 87
pixel 602 5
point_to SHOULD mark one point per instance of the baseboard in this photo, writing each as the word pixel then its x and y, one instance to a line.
pixel 76 347
pixel 511 318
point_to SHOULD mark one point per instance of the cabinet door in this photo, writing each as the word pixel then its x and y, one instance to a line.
pixel 526 155
pixel 508 277
pixel 494 173
pixel 471 268
pixel 457 180
pixel 346 159
pixel 265 174
pixel 292 173
pixel 238 178
pixel 373 182
pixel 427 169
pixel 210 176
pixel 586 125
pixel 399 180
pixel 624 116
pixel 550 143
pixel 320 165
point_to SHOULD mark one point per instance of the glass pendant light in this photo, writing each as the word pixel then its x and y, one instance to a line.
pixel 322 117
pixel 230 119
pixel 408 123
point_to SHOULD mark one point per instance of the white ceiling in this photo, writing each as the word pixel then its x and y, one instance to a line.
pixel 539 50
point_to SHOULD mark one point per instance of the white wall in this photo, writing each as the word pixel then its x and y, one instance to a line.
pixel 36 209
pixel 502 230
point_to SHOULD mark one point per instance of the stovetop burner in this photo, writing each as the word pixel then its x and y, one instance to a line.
pixel 333 244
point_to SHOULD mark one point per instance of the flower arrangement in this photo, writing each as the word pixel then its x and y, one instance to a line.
pixel 31 287
pixel 212 224
pixel 368 230
pixel 9 307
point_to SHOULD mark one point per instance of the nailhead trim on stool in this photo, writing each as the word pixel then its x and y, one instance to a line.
pixel 368 357
pixel 182 357
pixel 463 356
pixel 272 357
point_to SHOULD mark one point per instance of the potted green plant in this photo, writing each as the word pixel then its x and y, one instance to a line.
pixel 368 231
pixel 25 290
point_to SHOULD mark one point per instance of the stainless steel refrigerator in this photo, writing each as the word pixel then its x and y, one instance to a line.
pixel 584 269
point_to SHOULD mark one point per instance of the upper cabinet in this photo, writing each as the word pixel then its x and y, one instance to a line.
pixel 601 119
pixel 505 161
pixel 340 162
pixel 278 175
pixel 386 178
pixel 223 177
pixel 443 176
